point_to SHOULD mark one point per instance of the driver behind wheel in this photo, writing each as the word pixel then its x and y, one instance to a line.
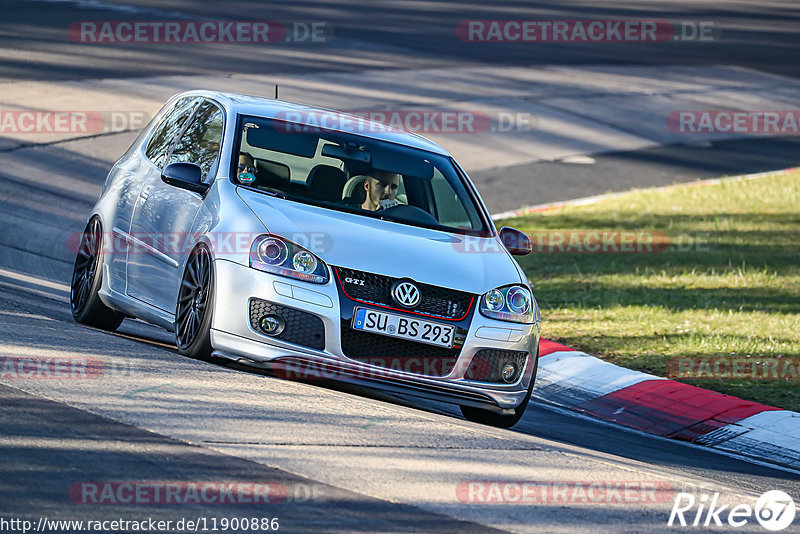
pixel 246 169
pixel 381 188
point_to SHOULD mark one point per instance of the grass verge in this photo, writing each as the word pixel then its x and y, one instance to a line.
pixel 701 284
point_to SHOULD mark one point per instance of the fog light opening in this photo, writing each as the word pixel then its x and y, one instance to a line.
pixel 272 325
pixel 509 372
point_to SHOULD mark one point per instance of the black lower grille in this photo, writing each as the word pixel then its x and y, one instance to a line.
pixel 376 289
pixel 487 365
pixel 300 328
pixel 397 354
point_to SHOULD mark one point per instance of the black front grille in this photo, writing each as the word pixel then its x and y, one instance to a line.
pixel 301 328
pixel 487 365
pixel 376 289
pixel 397 354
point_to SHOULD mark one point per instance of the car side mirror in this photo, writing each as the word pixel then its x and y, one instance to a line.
pixel 186 176
pixel 516 242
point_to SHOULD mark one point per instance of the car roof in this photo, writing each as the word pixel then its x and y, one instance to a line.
pixel 272 108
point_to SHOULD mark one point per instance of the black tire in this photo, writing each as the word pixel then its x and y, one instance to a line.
pixel 87 277
pixel 193 311
pixel 485 417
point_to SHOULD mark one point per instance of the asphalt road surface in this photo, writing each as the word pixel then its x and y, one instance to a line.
pixel 759 35
pixel 343 459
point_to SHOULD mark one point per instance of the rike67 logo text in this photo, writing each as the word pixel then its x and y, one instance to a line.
pixel 774 510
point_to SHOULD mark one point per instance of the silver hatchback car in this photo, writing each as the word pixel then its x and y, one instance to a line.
pixel 315 244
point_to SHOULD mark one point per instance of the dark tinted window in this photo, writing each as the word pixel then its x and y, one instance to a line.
pixel 450 208
pixel 167 129
pixel 330 169
pixel 201 139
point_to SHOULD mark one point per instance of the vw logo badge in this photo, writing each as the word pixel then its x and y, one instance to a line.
pixel 406 294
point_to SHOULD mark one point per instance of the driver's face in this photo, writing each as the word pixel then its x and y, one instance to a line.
pixel 383 188
pixel 246 164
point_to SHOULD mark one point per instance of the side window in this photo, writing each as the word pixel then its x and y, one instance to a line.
pixel 401 196
pixel 449 208
pixel 167 129
pixel 201 139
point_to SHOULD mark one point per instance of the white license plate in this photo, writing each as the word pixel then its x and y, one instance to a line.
pixel 403 327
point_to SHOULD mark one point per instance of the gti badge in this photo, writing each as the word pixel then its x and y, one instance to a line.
pixel 406 294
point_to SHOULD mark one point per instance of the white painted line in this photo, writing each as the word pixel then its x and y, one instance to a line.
pixel 730 454
pixel 777 427
pixel 782 422
pixel 584 201
pixel 773 434
pixel 569 378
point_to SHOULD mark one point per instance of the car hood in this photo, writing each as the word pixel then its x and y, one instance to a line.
pixel 455 261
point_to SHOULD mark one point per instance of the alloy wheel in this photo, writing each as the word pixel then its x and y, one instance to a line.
pixel 193 297
pixel 85 266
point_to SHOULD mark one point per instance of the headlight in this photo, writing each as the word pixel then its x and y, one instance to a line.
pixel 304 262
pixel 512 303
pixel 278 256
pixel 518 300
pixel 272 251
pixel 494 300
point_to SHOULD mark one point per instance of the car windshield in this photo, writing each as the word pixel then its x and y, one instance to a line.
pixel 355 174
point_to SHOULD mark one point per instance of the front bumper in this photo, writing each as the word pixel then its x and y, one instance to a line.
pixel 232 335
